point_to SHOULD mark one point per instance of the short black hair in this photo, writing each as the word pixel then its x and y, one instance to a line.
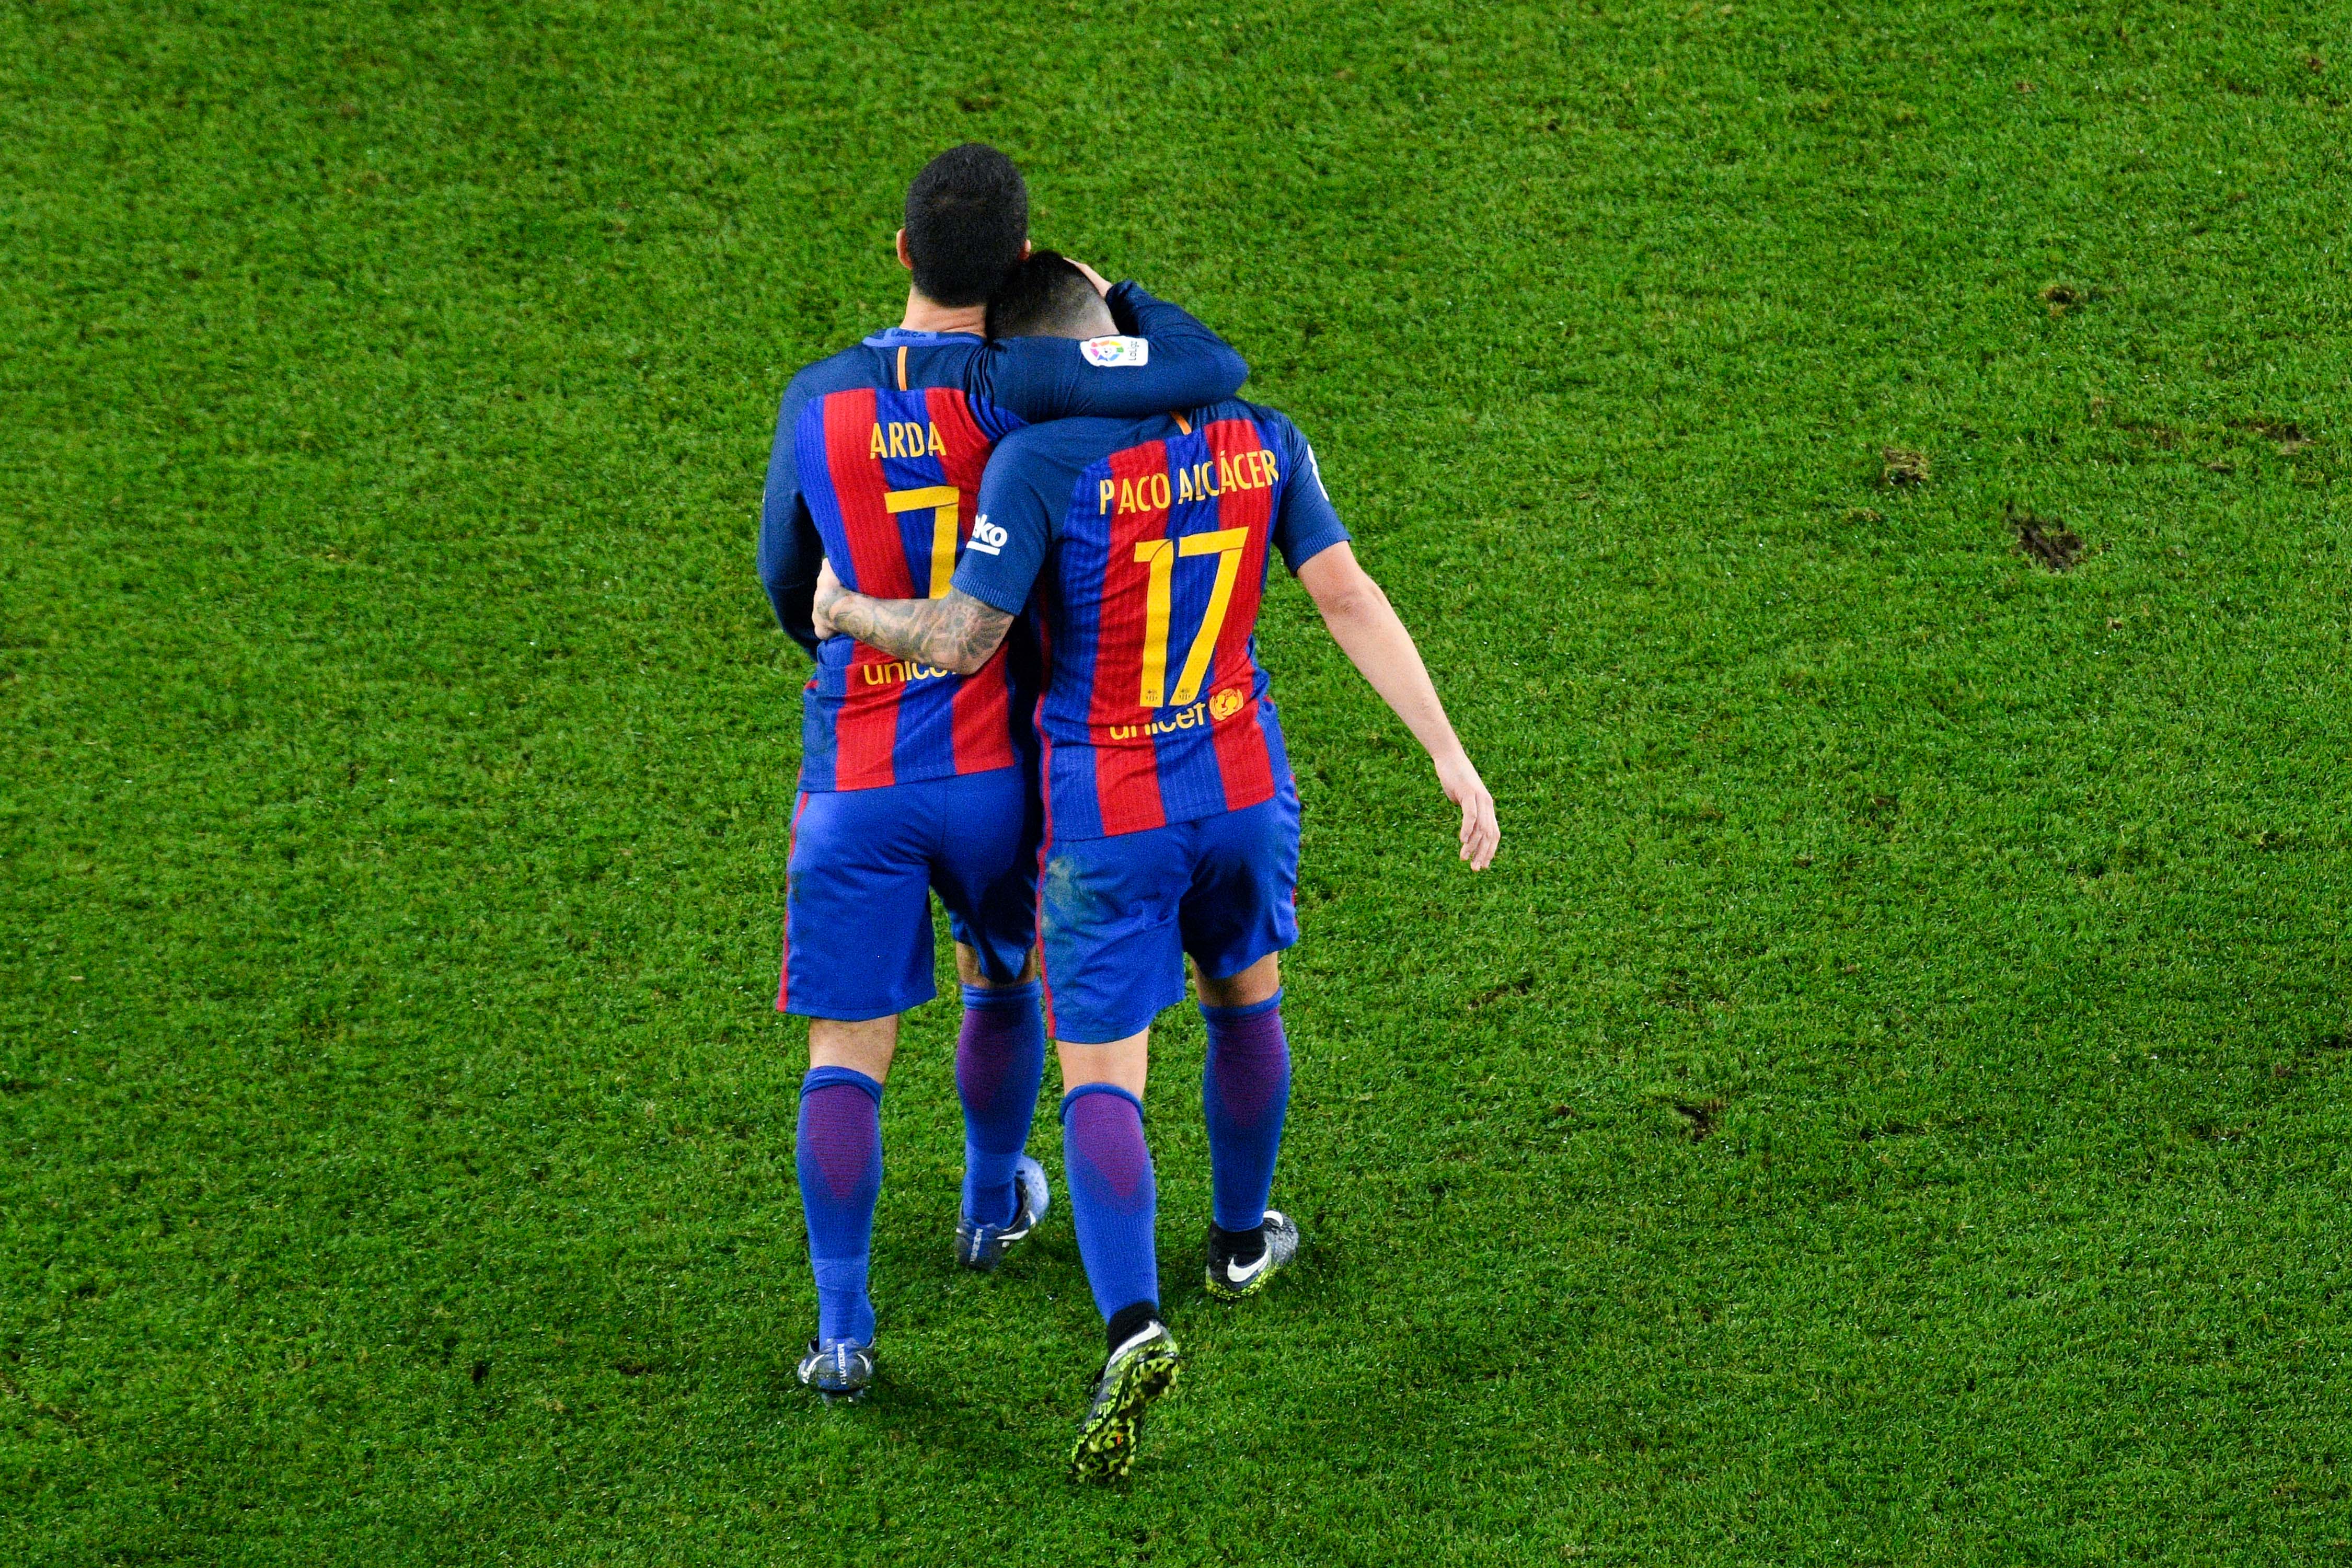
pixel 967 219
pixel 1042 294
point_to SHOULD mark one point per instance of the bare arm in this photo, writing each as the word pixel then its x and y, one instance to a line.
pixel 958 633
pixel 1366 627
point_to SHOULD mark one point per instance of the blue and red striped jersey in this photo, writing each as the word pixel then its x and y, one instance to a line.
pixel 1145 542
pixel 876 469
pixel 889 478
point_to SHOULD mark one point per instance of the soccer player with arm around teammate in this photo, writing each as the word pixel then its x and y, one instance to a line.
pixel 1171 816
pixel 916 778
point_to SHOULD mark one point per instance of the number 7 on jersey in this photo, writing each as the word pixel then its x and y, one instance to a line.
pixel 941 500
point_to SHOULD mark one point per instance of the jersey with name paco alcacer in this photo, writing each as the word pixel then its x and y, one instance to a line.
pixel 878 457
pixel 1146 542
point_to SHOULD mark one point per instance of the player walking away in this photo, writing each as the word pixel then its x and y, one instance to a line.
pixel 916 778
pixel 1171 816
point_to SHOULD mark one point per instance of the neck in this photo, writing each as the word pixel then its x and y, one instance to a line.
pixel 928 316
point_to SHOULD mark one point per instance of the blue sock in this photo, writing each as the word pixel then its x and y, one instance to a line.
pixel 1112 1199
pixel 839 1156
pixel 1245 1089
pixel 1000 1062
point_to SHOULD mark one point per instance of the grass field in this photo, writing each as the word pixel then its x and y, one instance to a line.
pixel 1890 1101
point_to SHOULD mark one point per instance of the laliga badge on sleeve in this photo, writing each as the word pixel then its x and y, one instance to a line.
pixel 1109 352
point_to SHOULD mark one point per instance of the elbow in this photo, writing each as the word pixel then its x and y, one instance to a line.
pixel 1359 599
pixel 962 656
pixel 791 603
pixel 1234 371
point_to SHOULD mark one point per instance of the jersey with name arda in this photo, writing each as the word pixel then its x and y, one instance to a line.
pixel 891 472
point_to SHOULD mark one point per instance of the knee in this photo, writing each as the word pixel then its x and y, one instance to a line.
pixel 864 1045
pixel 970 973
pixel 1257 984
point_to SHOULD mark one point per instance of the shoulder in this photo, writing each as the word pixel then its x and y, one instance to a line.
pixel 1294 454
pixel 1272 422
pixel 1017 368
pixel 1061 445
pixel 850 369
pixel 933 359
pixel 1040 466
pixel 1281 433
pixel 900 357
pixel 1269 418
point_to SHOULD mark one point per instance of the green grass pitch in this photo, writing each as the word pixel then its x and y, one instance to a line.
pixel 1889 1103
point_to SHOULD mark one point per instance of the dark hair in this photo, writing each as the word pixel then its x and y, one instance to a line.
pixel 967 219
pixel 1042 294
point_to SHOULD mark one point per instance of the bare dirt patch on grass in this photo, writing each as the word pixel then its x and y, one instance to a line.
pixel 2045 538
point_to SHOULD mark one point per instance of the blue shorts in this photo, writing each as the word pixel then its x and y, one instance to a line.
pixel 857 910
pixel 1119 914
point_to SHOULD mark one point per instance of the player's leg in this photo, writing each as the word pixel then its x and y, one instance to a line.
pixel 1114 1202
pixel 1245 1095
pixel 856 953
pixel 837 1150
pixel 985 871
pixel 1238 914
pixel 1112 961
pixel 1113 1197
pixel 1000 1065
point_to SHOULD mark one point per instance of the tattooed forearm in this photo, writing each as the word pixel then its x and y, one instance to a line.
pixel 956 633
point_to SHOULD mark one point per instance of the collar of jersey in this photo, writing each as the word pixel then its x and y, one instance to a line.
pixel 891 337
